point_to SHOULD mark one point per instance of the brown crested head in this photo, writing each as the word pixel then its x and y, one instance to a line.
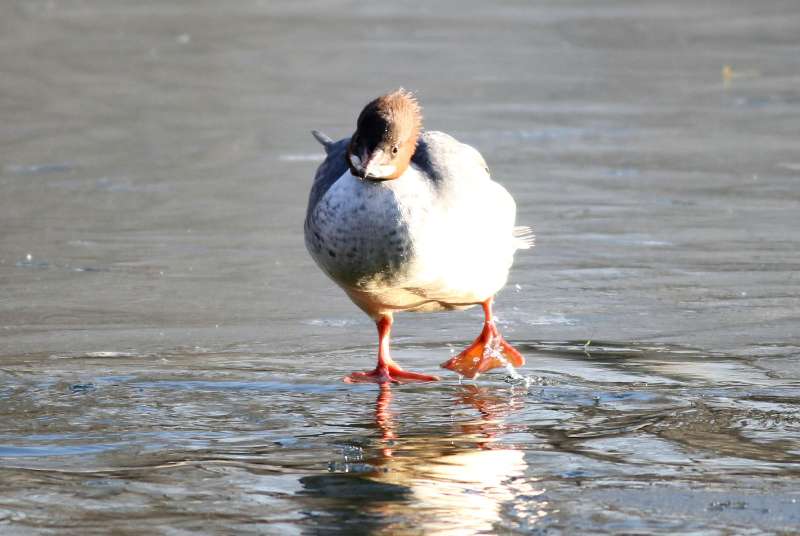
pixel 386 136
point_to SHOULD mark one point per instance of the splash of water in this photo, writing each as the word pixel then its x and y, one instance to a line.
pixel 494 349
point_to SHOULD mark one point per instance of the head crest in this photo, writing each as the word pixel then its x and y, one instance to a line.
pixel 400 105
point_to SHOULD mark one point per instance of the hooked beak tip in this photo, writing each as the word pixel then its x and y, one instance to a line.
pixel 367 170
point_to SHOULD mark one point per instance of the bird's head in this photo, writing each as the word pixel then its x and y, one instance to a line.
pixel 386 137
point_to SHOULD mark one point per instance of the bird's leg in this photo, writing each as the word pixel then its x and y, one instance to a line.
pixel 488 351
pixel 387 370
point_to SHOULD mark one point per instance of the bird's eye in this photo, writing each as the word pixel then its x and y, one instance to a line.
pixel 395 149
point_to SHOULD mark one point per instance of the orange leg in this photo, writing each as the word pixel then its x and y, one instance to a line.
pixel 488 351
pixel 387 370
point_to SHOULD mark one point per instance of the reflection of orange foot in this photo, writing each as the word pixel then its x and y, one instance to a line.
pixel 493 409
pixel 384 418
pixel 488 351
pixel 389 373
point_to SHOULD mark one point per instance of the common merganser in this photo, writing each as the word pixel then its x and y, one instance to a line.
pixel 406 220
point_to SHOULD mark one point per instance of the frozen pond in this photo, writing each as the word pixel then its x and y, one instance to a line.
pixel 170 356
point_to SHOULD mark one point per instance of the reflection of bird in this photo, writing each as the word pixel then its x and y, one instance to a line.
pixel 456 483
pixel 410 221
pixel 492 408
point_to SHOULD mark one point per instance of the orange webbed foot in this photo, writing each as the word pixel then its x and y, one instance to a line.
pixel 391 373
pixel 490 350
pixel 482 356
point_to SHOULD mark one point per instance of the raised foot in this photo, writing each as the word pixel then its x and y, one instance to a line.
pixel 389 374
pixel 489 351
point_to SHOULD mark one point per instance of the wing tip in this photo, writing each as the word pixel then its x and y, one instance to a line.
pixel 524 237
pixel 324 139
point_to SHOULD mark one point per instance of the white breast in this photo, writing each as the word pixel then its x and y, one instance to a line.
pixel 404 244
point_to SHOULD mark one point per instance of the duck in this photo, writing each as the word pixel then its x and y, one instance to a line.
pixel 407 219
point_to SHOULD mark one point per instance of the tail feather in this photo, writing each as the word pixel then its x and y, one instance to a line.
pixel 324 139
pixel 524 237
